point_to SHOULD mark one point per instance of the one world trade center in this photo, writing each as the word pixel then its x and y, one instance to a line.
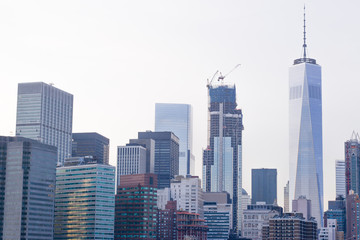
pixel 305 133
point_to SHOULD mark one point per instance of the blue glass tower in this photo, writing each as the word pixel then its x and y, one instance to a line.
pixel 305 133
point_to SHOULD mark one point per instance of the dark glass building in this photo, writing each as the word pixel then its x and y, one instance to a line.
pixel 166 164
pixel 337 210
pixel 135 207
pixel 91 144
pixel 27 184
pixel 264 185
pixel 352 164
pixel 352 216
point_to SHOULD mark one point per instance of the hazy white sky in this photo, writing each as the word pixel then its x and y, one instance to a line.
pixel 119 58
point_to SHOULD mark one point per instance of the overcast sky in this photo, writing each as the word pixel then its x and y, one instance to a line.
pixel 118 58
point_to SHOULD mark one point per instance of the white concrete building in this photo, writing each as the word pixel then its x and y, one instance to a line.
pixel 187 192
pixel 131 159
pixel 302 205
pixel 340 178
pixel 257 215
pixel 329 232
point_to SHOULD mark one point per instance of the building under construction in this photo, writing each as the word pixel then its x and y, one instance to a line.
pixel 222 159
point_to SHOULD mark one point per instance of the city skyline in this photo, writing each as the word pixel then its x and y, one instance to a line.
pixel 33 54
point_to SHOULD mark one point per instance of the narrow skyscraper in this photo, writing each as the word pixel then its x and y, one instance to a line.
pixel 305 133
pixel 177 118
pixel 222 160
pixel 45 113
pixel 340 178
pixel 352 164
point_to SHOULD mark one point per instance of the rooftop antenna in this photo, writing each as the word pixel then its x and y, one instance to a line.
pixel 304 45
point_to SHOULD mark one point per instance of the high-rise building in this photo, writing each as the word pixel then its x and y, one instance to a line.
pixel 245 199
pixel 45 113
pixel 217 215
pixel 166 164
pixel 85 201
pixel 286 198
pixel 340 178
pixel 222 159
pixel 352 216
pixel 131 159
pixel 302 205
pixel 337 210
pixel 177 118
pixel 305 133
pixel 187 193
pixel 135 207
pixel 264 185
pixel 166 226
pixel 352 164
pixel 163 197
pixel 330 231
pixel 256 216
pixel 27 183
pixel 149 144
pixel 291 226
pixel 91 144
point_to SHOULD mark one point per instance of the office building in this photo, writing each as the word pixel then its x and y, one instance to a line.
pixel 166 164
pixel 337 210
pixel 245 200
pixel 264 186
pixel 85 201
pixel 131 159
pixel 352 164
pixel 340 178
pixel 177 118
pixel 286 198
pixel 291 226
pixel 352 216
pixel 149 145
pixel 91 144
pixel 305 133
pixel 302 205
pixel 166 227
pixel 190 226
pixel 45 113
pixel 27 183
pixel 222 159
pixel 256 216
pixel 187 193
pixel 135 207
pixel 218 214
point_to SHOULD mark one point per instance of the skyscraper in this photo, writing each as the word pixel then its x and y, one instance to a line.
pixel 85 201
pixel 286 198
pixel 352 164
pixel 166 164
pixel 305 133
pixel 340 178
pixel 27 183
pixel 352 216
pixel 91 144
pixel 177 118
pixel 45 113
pixel 222 160
pixel 264 186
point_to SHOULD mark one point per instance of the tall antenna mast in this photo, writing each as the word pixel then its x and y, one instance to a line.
pixel 304 45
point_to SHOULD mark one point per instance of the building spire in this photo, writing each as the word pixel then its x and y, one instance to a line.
pixel 304 45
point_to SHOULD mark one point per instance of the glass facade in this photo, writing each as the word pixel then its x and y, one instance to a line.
pixel 91 144
pixel 44 113
pixel 305 135
pixel 177 118
pixel 352 165
pixel 222 159
pixel 264 186
pixel 27 181
pixel 85 202
pixel 166 164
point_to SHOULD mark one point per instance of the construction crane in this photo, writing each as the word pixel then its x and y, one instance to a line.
pixel 221 77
